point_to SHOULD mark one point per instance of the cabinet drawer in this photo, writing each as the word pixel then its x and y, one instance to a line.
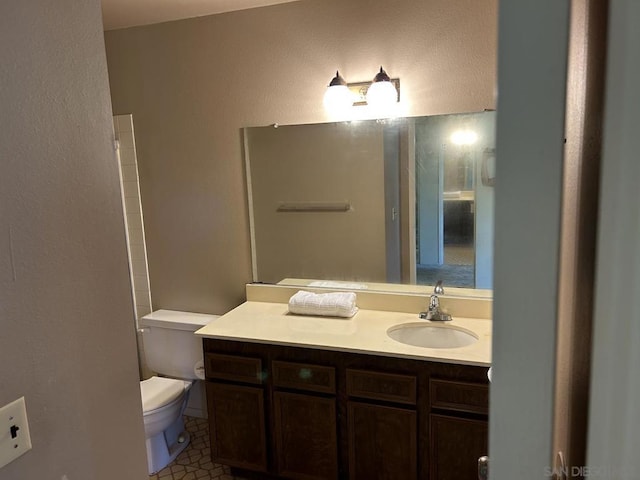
pixel 382 386
pixel 459 396
pixel 303 376
pixel 232 367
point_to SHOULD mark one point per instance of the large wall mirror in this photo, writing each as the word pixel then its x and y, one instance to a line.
pixel 397 201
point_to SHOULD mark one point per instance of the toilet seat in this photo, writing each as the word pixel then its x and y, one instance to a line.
pixel 157 392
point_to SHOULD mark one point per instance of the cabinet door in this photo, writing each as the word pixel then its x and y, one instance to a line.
pixel 382 443
pixel 306 437
pixel 456 445
pixel 237 425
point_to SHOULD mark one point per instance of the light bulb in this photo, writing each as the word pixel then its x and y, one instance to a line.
pixel 338 99
pixel 382 94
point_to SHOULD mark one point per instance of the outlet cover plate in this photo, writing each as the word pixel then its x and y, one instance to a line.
pixel 14 431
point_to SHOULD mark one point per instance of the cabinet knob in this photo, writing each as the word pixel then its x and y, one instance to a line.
pixel 483 468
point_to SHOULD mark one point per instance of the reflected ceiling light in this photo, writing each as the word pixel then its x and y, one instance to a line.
pixel 464 137
pixel 338 97
pixel 382 93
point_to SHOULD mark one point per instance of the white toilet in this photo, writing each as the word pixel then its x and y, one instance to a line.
pixel 173 351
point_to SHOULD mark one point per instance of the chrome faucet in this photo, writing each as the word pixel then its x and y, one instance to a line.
pixel 434 313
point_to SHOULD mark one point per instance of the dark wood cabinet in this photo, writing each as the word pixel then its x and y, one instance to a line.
pixel 306 436
pixel 458 428
pixel 383 442
pixel 456 444
pixel 305 420
pixel 383 439
pixel 237 425
pixel 298 413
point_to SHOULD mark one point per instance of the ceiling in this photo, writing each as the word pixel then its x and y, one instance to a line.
pixel 128 13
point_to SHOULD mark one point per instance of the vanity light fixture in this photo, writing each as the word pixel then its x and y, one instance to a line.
pixel 338 98
pixel 382 93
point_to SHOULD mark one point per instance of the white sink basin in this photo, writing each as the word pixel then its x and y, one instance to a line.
pixel 428 335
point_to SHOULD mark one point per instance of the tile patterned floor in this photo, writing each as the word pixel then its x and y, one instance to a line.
pixel 451 275
pixel 194 463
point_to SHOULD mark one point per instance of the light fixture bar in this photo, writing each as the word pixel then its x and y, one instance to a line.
pixel 359 91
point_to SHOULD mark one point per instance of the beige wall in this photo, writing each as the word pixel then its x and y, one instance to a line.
pixel 191 86
pixel 67 340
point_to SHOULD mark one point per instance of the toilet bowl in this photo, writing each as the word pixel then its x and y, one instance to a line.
pixel 172 350
pixel 163 401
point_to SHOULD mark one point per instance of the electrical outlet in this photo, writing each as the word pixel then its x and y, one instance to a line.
pixel 14 431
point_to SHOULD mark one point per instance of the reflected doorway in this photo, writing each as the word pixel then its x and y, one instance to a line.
pixel 454 199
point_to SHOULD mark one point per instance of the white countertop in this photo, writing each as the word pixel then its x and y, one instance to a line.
pixel 366 332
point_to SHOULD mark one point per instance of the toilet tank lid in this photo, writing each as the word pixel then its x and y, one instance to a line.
pixel 176 320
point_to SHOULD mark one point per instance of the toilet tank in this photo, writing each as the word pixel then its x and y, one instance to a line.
pixel 170 347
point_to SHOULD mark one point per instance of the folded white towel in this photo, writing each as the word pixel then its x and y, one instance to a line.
pixel 335 304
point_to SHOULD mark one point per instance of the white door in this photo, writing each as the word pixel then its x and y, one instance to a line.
pixel 614 433
pixel 532 59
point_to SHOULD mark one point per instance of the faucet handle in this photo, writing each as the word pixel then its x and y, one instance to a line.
pixel 438 289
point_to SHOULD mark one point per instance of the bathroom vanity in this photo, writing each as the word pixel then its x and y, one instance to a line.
pixel 325 398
